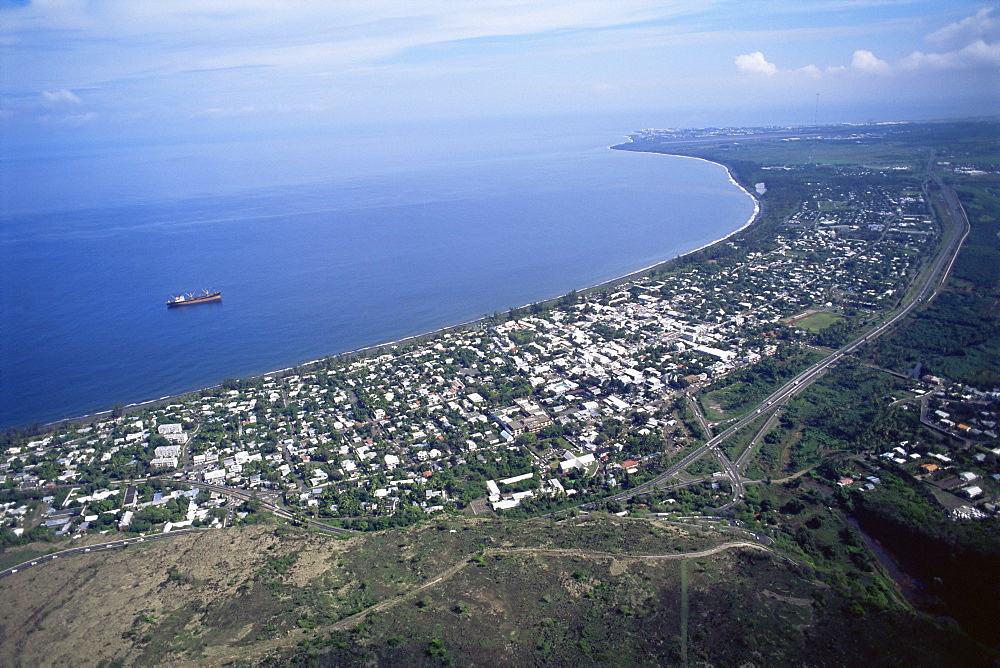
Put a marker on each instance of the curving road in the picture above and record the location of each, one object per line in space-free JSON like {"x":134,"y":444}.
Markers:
{"x":102,"y":547}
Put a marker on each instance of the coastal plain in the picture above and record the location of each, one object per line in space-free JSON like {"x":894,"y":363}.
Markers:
{"x":781,"y":448}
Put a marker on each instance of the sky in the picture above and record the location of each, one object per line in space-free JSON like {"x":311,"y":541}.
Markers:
{"x":97,"y":72}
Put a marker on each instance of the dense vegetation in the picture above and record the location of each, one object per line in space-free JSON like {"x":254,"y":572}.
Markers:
{"x":958,"y":336}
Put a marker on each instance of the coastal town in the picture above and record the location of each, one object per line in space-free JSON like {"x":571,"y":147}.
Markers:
{"x":541,"y":408}
{"x":447,"y":334}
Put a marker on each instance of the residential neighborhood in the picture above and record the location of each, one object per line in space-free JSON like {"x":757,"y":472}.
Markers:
{"x":536,"y":408}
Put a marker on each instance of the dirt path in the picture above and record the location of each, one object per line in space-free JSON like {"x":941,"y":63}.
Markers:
{"x":798,"y":474}
{"x":262,"y":649}
{"x":354,"y":620}
{"x":778,"y":481}
{"x":685,"y":613}
{"x":555,"y":552}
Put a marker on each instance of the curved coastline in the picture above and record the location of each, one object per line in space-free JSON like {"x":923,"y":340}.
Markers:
{"x":388,"y":345}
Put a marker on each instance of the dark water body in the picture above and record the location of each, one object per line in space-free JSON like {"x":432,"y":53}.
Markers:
{"x":388,"y":239}
{"x":910,"y":587}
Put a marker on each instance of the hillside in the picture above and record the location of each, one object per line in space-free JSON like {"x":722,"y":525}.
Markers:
{"x":587,"y":590}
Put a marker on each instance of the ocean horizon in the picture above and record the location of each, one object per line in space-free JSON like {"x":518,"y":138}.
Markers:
{"x":365,"y":240}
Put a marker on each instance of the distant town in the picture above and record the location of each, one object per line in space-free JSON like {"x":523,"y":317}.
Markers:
{"x":533,"y":411}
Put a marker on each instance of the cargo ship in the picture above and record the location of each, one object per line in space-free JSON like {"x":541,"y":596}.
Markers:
{"x":185,"y":300}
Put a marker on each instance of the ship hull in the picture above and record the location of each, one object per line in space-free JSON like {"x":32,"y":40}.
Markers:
{"x":204,"y":299}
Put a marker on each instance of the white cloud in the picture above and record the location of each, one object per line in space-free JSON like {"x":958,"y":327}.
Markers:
{"x":293,"y":108}
{"x":810,"y":70}
{"x":865,"y":61}
{"x":975,"y":55}
{"x":974,"y":43}
{"x":132,"y":43}
{"x":59,"y":98}
{"x":970,"y":44}
{"x":756,"y":64}
{"x":982,"y":26}
{"x":248,"y":59}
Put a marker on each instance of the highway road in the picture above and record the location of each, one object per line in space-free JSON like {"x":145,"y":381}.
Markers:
{"x":102,"y":547}
{"x":741,"y":461}
{"x":696,"y":409}
{"x":736,"y":480}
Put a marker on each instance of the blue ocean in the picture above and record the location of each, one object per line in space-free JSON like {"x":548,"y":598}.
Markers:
{"x":318,"y":246}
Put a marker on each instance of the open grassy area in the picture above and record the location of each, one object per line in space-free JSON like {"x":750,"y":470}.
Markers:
{"x":818,"y":321}
{"x":734,"y":446}
{"x":594,"y":589}
{"x":833,"y":415}
{"x":771,"y":457}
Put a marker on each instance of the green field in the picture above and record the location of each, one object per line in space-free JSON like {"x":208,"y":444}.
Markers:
{"x":817,"y":321}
